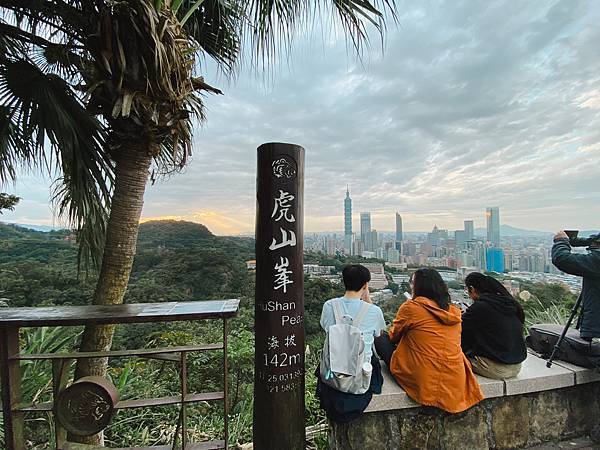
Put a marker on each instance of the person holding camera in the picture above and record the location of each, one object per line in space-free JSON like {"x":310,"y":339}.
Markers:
{"x":583,"y":265}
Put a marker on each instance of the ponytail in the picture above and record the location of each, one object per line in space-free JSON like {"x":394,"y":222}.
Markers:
{"x":485,"y":284}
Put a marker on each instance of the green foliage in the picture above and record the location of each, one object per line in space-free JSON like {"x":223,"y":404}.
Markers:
{"x":316,"y":292}
{"x":390,"y":307}
{"x":554,"y":313}
{"x":338,"y":261}
{"x":8,"y":202}
{"x":549,"y":303}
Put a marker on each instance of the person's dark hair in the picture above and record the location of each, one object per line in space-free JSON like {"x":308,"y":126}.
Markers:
{"x":429,"y":283}
{"x":485,"y":284}
{"x":355,"y":276}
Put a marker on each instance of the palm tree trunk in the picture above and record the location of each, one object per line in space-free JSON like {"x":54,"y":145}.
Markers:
{"x":131,"y":175}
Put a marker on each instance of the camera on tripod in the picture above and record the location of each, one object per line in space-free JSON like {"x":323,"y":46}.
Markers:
{"x":590,"y":241}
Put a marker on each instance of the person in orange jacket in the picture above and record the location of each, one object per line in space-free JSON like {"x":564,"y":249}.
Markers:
{"x":422,"y":348}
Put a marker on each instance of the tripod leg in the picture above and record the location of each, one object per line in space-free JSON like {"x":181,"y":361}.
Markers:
{"x":564,"y":332}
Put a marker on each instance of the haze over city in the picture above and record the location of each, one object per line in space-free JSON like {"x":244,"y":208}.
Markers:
{"x":472,"y":104}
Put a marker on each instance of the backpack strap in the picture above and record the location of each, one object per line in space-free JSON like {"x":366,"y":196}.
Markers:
{"x":362,"y":312}
{"x":337,"y":312}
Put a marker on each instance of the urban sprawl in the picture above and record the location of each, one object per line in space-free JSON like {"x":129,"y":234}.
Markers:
{"x":459,"y":252}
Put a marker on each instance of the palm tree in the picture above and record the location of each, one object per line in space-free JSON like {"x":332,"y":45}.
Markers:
{"x":103,"y":93}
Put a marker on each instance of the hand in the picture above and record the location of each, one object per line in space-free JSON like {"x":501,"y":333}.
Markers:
{"x":561,"y":235}
{"x":365,"y":296}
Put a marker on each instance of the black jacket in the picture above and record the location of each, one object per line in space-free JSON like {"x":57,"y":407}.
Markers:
{"x":586,"y":266}
{"x":493,"y":327}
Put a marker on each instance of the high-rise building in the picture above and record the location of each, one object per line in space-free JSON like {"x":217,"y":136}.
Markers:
{"x":460,"y":238}
{"x":469,"y":230}
{"x":365,"y":229}
{"x":437,"y":236}
{"x":373,"y":240}
{"x":492,"y":216}
{"x":398,"y":229}
{"x":494,"y":259}
{"x":358,"y":247}
{"x":348,"y":222}
{"x":330,"y":245}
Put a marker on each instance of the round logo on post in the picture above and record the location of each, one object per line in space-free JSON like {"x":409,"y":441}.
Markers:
{"x":284,"y":167}
{"x":87,"y":406}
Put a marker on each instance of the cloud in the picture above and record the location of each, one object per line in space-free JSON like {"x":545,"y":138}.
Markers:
{"x":473,"y":104}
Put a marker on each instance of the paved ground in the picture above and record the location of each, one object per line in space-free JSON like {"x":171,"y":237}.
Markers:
{"x":579,"y":444}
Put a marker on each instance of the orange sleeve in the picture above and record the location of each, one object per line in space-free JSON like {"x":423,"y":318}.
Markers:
{"x":402,"y":322}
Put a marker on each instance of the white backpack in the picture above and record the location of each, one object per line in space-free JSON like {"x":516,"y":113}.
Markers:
{"x":343,"y":354}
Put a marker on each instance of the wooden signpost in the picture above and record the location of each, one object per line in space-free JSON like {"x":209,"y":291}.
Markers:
{"x":279,"y":300}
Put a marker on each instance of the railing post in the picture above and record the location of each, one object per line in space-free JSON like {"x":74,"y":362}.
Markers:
{"x":225,"y":387}
{"x":279,"y":300}
{"x":60,"y":377}
{"x":10,"y":374}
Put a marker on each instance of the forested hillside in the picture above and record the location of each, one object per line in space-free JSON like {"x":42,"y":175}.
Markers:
{"x":175,"y":261}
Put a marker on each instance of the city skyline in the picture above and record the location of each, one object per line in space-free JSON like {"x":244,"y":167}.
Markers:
{"x":471,"y":104}
{"x":464,"y":250}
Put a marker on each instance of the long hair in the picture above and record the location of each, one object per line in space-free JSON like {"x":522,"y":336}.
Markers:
{"x":484,"y":284}
{"x":428,"y":283}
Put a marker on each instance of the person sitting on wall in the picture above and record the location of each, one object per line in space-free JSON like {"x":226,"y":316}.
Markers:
{"x":492,"y":329}
{"x":422,"y":348}
{"x":343,"y":406}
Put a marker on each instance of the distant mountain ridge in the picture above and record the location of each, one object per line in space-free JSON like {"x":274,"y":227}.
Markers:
{"x":43,"y":228}
{"x":507,"y":230}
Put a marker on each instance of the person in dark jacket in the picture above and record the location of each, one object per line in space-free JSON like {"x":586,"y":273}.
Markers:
{"x":492,"y":329}
{"x":586,"y":265}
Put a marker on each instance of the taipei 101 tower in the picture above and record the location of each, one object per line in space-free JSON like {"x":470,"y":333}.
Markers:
{"x":348,"y":222}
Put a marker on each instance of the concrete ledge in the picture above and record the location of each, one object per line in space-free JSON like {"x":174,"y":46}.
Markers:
{"x":392,"y":395}
{"x":534,"y":377}
{"x":582,"y":375}
{"x":541,"y":405}
{"x":490,"y":387}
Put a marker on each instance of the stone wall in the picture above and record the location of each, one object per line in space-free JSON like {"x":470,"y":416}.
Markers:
{"x":514,"y":421}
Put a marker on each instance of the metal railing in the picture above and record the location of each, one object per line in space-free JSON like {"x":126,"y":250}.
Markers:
{"x":87,"y":405}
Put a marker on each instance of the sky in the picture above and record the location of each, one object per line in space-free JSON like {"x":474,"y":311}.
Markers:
{"x":467,"y":104}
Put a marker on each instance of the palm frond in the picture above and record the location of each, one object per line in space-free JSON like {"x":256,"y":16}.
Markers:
{"x":221,"y":27}
{"x":215,"y":29}
{"x":55,"y":133}
{"x":271,"y":24}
